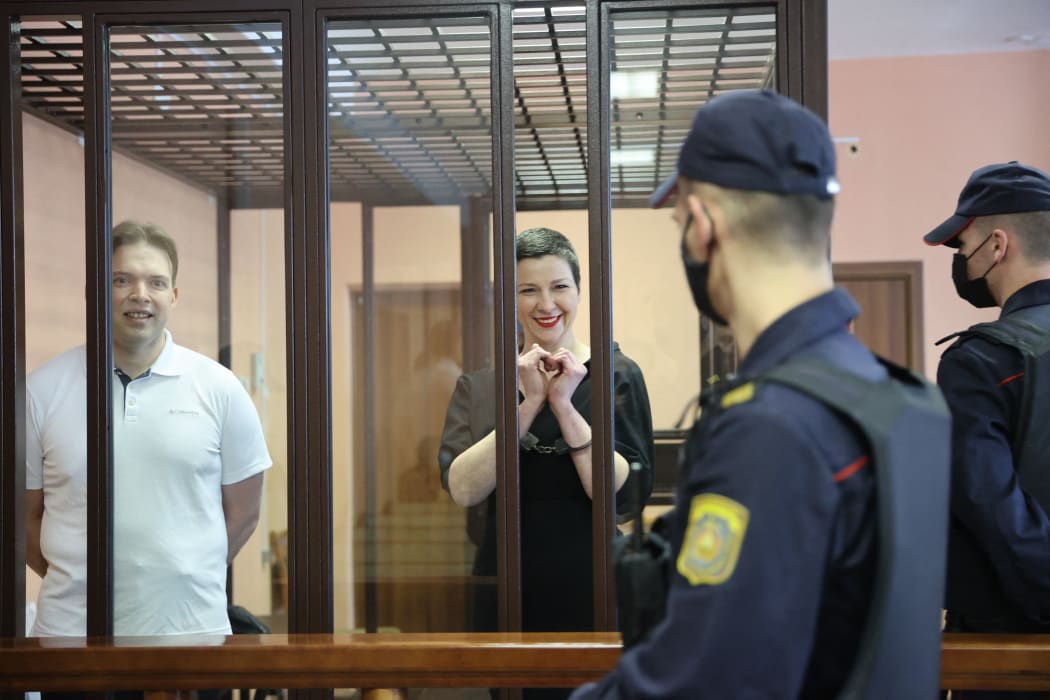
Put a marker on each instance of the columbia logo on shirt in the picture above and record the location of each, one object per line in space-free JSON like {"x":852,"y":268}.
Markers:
{"x":184,"y":412}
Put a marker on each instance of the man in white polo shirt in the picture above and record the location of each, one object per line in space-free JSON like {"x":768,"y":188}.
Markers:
{"x":189,"y":453}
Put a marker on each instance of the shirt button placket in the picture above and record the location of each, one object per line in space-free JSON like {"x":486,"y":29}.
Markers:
{"x":131,"y":414}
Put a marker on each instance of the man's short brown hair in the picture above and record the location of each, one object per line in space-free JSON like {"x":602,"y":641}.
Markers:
{"x":131,"y":231}
{"x":1032,"y":229}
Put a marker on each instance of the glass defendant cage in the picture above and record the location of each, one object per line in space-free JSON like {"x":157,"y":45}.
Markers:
{"x":345,"y":180}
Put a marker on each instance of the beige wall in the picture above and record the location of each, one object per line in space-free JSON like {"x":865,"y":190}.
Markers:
{"x":53,"y":176}
{"x":257,"y":330}
{"x":54,"y":241}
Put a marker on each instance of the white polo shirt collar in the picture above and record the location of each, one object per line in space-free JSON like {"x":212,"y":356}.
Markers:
{"x":169,"y":363}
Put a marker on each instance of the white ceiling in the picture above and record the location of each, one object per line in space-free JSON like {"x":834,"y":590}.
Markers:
{"x":883,"y":28}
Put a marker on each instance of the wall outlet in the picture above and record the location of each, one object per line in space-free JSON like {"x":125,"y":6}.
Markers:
{"x":258,"y":371}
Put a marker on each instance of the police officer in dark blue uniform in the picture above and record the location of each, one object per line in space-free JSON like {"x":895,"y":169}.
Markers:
{"x":999,"y":537}
{"x":773,"y":532}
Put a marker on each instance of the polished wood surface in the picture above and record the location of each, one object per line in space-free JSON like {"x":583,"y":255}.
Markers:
{"x":308,"y":661}
{"x":970,"y":661}
{"x":996,"y":662}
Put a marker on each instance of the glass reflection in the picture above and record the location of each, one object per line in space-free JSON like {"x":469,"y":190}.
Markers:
{"x":664,"y":65}
{"x":410,"y":165}
{"x":551,"y":148}
{"x":53,"y":162}
{"x":194,"y":111}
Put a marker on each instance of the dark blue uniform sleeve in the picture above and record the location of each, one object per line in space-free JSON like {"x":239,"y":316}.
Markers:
{"x":986,"y":497}
{"x":751,"y":635}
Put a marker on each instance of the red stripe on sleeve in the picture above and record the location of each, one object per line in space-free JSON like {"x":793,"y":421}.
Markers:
{"x":1010,"y":379}
{"x":848,"y":471}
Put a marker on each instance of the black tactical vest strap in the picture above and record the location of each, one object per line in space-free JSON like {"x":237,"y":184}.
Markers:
{"x":1031,"y":443}
{"x":907,"y":426}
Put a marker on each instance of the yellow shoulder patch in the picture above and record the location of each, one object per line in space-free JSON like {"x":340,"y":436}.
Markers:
{"x":712,"y":539}
{"x":742,"y":394}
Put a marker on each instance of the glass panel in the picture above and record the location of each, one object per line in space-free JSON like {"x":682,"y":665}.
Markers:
{"x":550,"y":75}
{"x":53,"y":167}
{"x":665,"y":64}
{"x":197,"y":121}
{"x":411,"y":165}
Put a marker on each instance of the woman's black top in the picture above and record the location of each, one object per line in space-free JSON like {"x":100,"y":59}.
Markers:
{"x":557,"y":586}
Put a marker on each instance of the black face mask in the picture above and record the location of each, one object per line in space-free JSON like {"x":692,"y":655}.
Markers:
{"x":696,"y":275}
{"x":976,"y":290}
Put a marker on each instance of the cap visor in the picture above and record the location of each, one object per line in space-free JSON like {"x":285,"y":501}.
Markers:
{"x":662,"y":193}
{"x":948,"y":232}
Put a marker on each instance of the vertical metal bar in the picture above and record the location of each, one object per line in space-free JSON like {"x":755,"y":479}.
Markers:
{"x":97,"y":148}
{"x":600,"y":208}
{"x":787,"y":81}
{"x":368,"y":253}
{"x":12,"y":342}
{"x":314,"y":114}
{"x":307,"y":314}
{"x":814,"y":55}
{"x":295,"y":322}
{"x":506,"y":351}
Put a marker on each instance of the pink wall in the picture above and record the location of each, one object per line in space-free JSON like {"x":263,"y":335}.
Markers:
{"x":924,"y":124}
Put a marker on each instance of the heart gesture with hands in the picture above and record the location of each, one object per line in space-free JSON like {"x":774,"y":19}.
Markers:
{"x":565,"y":374}
{"x":546,"y":377}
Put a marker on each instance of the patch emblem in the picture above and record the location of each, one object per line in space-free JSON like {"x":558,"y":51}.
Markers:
{"x":713,"y":539}
{"x":742,"y":394}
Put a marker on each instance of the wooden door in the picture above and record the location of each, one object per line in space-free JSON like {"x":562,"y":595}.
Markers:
{"x":890,"y":299}
{"x":422,"y":552}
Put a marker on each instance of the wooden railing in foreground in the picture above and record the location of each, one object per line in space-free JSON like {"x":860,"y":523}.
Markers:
{"x":995,"y":662}
{"x":1009,"y":662}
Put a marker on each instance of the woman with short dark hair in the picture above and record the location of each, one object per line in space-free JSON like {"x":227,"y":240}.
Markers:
{"x":554,"y":405}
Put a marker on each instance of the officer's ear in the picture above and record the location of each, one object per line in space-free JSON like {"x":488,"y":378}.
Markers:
{"x":699,"y":234}
{"x":1000,"y":243}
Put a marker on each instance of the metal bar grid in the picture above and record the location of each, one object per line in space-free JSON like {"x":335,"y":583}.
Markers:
{"x":667,"y":63}
{"x":408,"y":106}
{"x":406,"y":97}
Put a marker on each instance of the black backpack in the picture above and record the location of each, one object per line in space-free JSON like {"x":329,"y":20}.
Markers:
{"x":908,"y":428}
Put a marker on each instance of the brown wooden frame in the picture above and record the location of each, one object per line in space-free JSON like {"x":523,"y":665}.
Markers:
{"x":968,"y":662}
{"x":12,"y":348}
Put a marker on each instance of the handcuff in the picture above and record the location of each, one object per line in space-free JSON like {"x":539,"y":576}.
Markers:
{"x":531,"y":443}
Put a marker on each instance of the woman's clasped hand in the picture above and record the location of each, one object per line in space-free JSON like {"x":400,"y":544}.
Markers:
{"x":549,"y":377}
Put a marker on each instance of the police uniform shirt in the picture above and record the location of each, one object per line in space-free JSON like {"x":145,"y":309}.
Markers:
{"x":999,"y":537}
{"x":774,"y":534}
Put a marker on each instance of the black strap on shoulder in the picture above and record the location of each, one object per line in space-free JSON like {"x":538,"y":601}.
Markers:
{"x":906,"y":423}
{"x":1031,"y":445}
